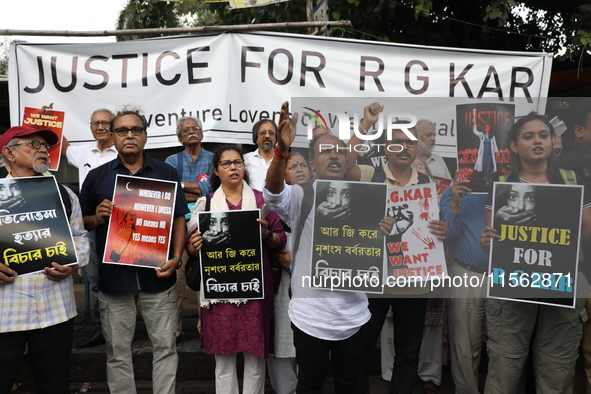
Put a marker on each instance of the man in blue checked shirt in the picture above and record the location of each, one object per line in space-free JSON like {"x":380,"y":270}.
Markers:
{"x":194,"y":165}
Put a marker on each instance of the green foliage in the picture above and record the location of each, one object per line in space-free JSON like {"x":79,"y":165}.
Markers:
{"x":146,"y":14}
{"x":4,"y":57}
{"x":423,"y":8}
{"x":540,"y":25}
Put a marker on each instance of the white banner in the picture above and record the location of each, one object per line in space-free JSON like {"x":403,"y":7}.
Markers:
{"x":231,"y":80}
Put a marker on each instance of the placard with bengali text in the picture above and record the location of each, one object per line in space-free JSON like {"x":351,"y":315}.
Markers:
{"x":347,"y":243}
{"x":231,"y":255}
{"x":35,"y":228}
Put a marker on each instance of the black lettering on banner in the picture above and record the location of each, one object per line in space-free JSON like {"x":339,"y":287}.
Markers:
{"x":461,"y":78}
{"x":425,"y":79}
{"x":270,"y":71}
{"x":496,"y":89}
{"x":41,"y":78}
{"x":315,"y":70}
{"x":124,"y":59}
{"x":244,"y":63}
{"x":159,"y":77}
{"x":191,"y":65}
{"x":373,"y":74}
{"x":522,"y":85}
{"x":90,"y":70}
{"x":159,"y":120}
{"x":216,"y":114}
{"x":72,"y":85}
{"x":145,"y":69}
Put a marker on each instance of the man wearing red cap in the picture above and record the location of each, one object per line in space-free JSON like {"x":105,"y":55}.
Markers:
{"x":38,"y":309}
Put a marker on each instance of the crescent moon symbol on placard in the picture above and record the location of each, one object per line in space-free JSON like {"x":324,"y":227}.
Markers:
{"x":127,"y":186}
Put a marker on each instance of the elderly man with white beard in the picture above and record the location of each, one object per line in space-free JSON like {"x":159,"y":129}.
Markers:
{"x":38,"y":310}
{"x":194,"y":165}
{"x":426,"y":159}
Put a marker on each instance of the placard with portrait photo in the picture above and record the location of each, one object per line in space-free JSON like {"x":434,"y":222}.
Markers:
{"x":536,"y":257}
{"x":36,"y":229}
{"x":347,"y":243}
{"x":231,"y":255}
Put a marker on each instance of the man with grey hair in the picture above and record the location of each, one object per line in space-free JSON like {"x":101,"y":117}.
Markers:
{"x":85,"y":157}
{"x":38,"y":310}
{"x":257,"y":163}
{"x":125,"y":288}
{"x":194,"y":165}
{"x":426,"y":159}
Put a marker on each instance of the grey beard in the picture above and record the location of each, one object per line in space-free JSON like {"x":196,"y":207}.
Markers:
{"x":423,"y":149}
{"x":266,"y":147}
{"x":40,"y":168}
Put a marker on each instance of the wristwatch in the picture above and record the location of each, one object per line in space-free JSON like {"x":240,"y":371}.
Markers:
{"x":179,"y":260}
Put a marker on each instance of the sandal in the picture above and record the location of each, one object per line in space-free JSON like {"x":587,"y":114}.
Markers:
{"x":429,"y":387}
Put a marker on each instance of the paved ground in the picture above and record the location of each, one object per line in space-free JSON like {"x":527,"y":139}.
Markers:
{"x":195,"y":373}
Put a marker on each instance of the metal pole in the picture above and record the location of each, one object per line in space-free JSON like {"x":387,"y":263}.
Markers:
{"x":174,"y":30}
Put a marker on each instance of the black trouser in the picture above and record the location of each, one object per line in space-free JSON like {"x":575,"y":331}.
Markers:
{"x":312,"y":356}
{"x":50,"y":349}
{"x":409,"y":320}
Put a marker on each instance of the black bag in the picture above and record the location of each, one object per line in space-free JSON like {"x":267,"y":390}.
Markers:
{"x":193,"y":273}
{"x":193,"y":266}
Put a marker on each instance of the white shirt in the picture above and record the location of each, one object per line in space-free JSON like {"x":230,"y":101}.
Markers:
{"x":257,"y":168}
{"x":323,"y":314}
{"x":437,"y":167}
{"x":86,"y":157}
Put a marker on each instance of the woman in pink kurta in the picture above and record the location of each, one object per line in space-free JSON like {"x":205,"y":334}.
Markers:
{"x":230,"y":327}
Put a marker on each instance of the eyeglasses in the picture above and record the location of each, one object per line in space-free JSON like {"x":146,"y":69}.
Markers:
{"x":225,"y":164}
{"x":95,"y":125}
{"x":262,"y":133}
{"x":123,"y":131}
{"x":35,"y":144}
{"x":400,"y":141}
{"x":187,"y":130}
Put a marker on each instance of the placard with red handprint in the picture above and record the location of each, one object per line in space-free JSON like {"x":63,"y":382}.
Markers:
{"x":412,"y":251}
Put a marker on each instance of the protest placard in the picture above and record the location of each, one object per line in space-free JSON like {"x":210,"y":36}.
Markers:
{"x":36,"y":229}
{"x":414,"y":254}
{"x":231,"y":255}
{"x":536,"y":257}
{"x":483,"y":143}
{"x":347,"y":244}
{"x":47,"y":119}
{"x":140,"y":225}
{"x":441,"y":184}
